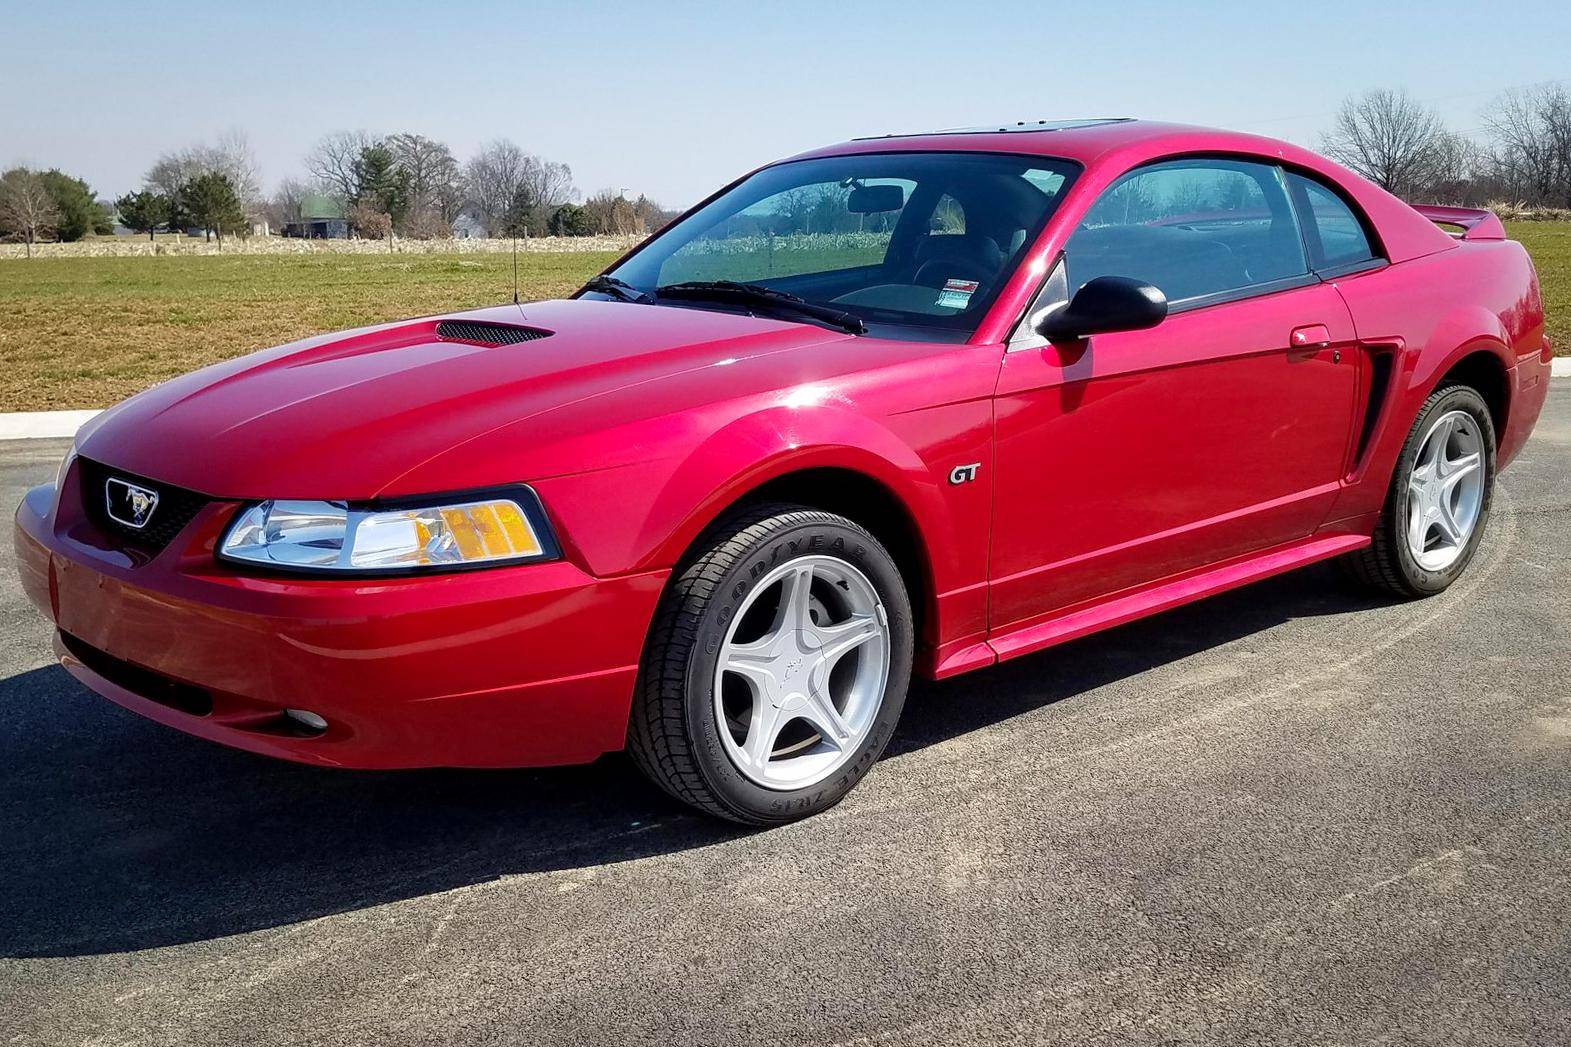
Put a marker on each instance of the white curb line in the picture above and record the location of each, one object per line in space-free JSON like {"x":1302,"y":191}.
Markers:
{"x":36,"y":425}
{"x":33,"y":425}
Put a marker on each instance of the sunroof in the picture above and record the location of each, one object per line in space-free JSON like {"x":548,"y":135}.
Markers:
{"x":1018,"y":126}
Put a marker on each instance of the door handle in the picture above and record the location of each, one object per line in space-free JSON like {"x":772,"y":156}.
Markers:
{"x":1310,"y":336}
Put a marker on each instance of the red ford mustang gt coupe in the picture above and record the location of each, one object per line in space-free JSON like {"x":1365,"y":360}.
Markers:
{"x":904,"y":406}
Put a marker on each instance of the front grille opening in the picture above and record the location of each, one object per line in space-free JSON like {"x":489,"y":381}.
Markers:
{"x":176,"y":507}
{"x":144,"y":683}
{"x":487,"y":333}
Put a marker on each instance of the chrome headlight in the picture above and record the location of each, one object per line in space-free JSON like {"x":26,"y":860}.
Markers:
{"x":454,"y":532}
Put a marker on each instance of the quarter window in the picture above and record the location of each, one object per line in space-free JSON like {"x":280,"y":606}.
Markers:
{"x":1336,"y":236}
{"x":948,"y":217}
{"x":1192,"y":228}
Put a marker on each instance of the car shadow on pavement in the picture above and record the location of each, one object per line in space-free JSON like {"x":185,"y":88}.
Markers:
{"x":118,"y":834}
{"x":938,"y":712}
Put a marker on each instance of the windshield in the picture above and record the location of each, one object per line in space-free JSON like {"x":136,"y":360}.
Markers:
{"x":922,"y":239}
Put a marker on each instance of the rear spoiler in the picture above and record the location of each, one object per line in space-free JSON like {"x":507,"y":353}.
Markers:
{"x":1476,"y":223}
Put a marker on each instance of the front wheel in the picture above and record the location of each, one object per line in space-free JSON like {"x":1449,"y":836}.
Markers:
{"x":776,"y":668}
{"x":1438,"y":503}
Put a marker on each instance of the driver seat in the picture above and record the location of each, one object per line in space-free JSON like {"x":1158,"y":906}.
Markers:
{"x":965,"y":256}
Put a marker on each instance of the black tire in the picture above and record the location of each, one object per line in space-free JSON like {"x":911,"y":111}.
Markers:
{"x":1387,"y":564}
{"x":673,"y":733}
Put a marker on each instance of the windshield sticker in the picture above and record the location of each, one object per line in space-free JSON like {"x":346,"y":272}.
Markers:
{"x":956,"y":294}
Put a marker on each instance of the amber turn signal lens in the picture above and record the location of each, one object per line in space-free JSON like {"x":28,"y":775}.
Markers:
{"x":473,"y":532}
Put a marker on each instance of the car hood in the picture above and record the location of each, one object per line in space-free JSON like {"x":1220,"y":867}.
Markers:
{"x":342,"y":416}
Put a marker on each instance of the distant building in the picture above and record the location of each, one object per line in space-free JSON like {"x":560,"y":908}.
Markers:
{"x":320,"y":219}
{"x":468,"y":226}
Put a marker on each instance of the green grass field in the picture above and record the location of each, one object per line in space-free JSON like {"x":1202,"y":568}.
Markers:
{"x":85,"y":332}
{"x":1550,"y":245}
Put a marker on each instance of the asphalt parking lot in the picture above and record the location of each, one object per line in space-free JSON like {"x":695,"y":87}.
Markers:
{"x":1290,"y":814}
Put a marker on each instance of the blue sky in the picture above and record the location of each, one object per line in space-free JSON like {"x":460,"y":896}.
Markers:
{"x":674,"y":98}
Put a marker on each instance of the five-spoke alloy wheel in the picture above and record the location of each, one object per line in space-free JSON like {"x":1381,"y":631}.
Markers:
{"x":1438,"y":502}
{"x":1446,"y":490}
{"x":776,"y":668}
{"x":802,"y":672}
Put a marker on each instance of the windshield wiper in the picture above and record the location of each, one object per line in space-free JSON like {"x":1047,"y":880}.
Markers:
{"x":759,"y":296}
{"x":621,"y":290}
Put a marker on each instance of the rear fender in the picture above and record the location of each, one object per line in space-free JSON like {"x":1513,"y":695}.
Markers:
{"x":1464,"y":331}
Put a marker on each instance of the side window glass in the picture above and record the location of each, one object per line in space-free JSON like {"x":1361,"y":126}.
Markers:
{"x":948,"y":217}
{"x":1339,"y":237}
{"x":1192,"y":228}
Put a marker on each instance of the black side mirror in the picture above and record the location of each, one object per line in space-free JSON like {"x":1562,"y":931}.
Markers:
{"x":1103,"y":305}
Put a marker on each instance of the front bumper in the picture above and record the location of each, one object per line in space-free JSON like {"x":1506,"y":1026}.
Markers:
{"x":509,"y":667}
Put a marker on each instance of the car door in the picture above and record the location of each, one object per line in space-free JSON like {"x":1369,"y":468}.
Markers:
{"x":1139,"y":455}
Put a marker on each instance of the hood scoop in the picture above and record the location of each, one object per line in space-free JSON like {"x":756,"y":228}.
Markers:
{"x":479,"y":332}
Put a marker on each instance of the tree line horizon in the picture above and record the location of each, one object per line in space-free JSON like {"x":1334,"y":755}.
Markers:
{"x":412,"y":186}
{"x":403,"y":184}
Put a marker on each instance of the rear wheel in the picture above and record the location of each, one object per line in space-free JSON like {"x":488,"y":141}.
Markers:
{"x":1438,"y":504}
{"x":776,"y":668}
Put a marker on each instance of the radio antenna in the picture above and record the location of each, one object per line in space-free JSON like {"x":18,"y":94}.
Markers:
{"x":515,"y":268}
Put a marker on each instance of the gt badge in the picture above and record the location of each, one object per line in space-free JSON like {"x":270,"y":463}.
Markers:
{"x":964,"y":474}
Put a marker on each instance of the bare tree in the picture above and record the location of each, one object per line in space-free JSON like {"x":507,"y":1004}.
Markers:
{"x":332,"y":162}
{"x":288,"y":203}
{"x":793,"y":211}
{"x":649,"y":215}
{"x":1531,"y":129}
{"x":509,"y":187}
{"x":494,"y":175}
{"x":1388,"y":137}
{"x":230,"y":156}
{"x":372,"y":222}
{"x":168,"y":175}
{"x":27,"y":210}
{"x":613,"y":214}
{"x":549,"y":185}
{"x":435,"y":182}
{"x":426,"y":223}
{"x":1453,"y":171}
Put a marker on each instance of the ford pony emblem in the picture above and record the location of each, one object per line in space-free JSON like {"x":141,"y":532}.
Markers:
{"x":129,"y":504}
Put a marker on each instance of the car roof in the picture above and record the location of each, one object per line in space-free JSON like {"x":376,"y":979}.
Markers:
{"x":1084,"y":140}
{"x":1015,"y":127}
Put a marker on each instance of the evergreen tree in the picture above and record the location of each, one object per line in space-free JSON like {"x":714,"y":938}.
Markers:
{"x":144,"y":211}
{"x":80,"y":213}
{"x":571,"y":220}
{"x":520,"y":209}
{"x":381,"y":184}
{"x":212,"y":203}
